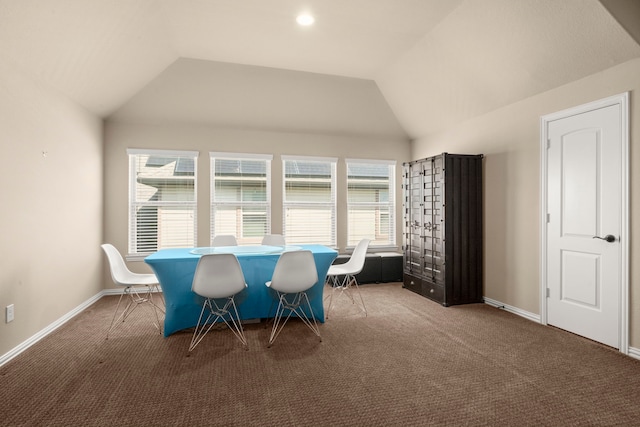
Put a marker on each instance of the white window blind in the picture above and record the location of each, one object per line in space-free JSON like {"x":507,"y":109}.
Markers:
{"x":371,"y":201}
{"x":309,"y":200}
{"x":162,"y":200}
{"x":241,"y":196}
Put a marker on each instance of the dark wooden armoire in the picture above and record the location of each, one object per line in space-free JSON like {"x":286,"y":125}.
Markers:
{"x":442,"y":245}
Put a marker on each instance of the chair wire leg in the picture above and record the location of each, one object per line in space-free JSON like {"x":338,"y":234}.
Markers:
{"x":328,"y":282}
{"x":135,"y":298}
{"x":278,"y":323}
{"x":303,"y":316}
{"x":236,"y":324}
{"x":293,"y":307}
{"x":147,"y":298}
{"x":155,"y":290}
{"x":351,"y":284}
{"x":132,"y":304}
{"x":334,"y":284}
{"x":345,"y":286}
{"x":275,"y":330}
{"x":200,"y":332}
{"x":155,"y":309}
{"x":355,"y":283}
{"x":216,"y":312}
{"x":115,"y":313}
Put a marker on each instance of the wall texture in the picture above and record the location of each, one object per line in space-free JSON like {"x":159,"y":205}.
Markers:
{"x":510,"y":139}
{"x":51,"y":216}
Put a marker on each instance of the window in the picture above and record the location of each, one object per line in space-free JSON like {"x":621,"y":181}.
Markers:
{"x":370,"y":201}
{"x":162,"y":200}
{"x":309,"y":200}
{"x":241,"y":196}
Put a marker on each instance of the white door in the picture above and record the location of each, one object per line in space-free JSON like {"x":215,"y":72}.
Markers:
{"x":585,"y":198}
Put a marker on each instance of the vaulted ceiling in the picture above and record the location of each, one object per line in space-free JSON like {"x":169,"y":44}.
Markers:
{"x":421,"y":64}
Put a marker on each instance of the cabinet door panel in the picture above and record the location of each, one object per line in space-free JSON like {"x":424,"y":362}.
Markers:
{"x":413,"y":221}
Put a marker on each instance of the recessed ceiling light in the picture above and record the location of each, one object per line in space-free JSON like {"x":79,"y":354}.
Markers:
{"x":305,"y":19}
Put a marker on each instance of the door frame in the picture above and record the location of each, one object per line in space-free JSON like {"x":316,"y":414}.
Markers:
{"x":621,"y":100}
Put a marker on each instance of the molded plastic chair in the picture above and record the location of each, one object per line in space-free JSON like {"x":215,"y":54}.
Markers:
{"x":273,"y":240}
{"x":132,"y":282}
{"x":343,"y":276}
{"x":224,"y":240}
{"x":218,"y":278}
{"x":295,"y":273}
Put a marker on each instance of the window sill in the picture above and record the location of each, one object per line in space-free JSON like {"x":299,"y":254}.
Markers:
{"x":374,"y":249}
{"x":136,"y":257}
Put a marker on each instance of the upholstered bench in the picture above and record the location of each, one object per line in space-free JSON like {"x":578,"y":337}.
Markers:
{"x":378,"y":267}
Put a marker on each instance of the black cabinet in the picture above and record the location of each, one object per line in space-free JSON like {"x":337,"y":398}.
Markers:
{"x":442,"y":241}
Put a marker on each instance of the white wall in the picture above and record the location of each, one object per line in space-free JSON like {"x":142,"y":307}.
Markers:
{"x":120,"y":136}
{"x":510,"y":138}
{"x":51,"y":215}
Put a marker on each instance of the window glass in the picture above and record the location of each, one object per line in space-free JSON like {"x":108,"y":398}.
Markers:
{"x":370,"y":202}
{"x":241,"y":196}
{"x":162,"y":200}
{"x":309,"y":200}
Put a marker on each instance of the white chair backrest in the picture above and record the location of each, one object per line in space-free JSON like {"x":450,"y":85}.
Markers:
{"x":356,"y":262}
{"x":224,"y":240}
{"x":120,"y":274}
{"x":295,"y":272}
{"x":273,"y":240}
{"x":218,"y":276}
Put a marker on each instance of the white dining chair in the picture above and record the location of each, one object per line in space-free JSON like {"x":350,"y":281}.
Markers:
{"x":273,"y":240}
{"x":342,"y":277}
{"x":218,"y":279}
{"x":224,"y":240}
{"x":295,"y":273}
{"x":132,"y":283}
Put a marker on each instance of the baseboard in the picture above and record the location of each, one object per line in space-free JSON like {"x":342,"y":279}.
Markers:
{"x":511,"y":309}
{"x":46,"y":331}
{"x":634,"y":352}
{"x":61,"y":321}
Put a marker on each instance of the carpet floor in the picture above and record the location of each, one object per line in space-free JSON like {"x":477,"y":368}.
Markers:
{"x":410,"y":362}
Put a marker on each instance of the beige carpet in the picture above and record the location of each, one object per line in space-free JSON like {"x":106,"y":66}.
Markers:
{"x":411,"y":362}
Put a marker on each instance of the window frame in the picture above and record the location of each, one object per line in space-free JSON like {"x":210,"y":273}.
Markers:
{"x":331,"y":204}
{"x":213,"y":155}
{"x":133,"y":252}
{"x":379,"y":206}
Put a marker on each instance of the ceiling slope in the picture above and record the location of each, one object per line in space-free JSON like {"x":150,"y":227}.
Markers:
{"x":491,"y":53}
{"x":627,"y":13}
{"x":97,"y":53}
{"x":436,"y":62}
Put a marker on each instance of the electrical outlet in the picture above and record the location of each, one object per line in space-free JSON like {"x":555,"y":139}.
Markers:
{"x":9,"y":313}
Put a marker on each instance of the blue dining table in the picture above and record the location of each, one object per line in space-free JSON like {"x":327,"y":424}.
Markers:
{"x":175,"y":268}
